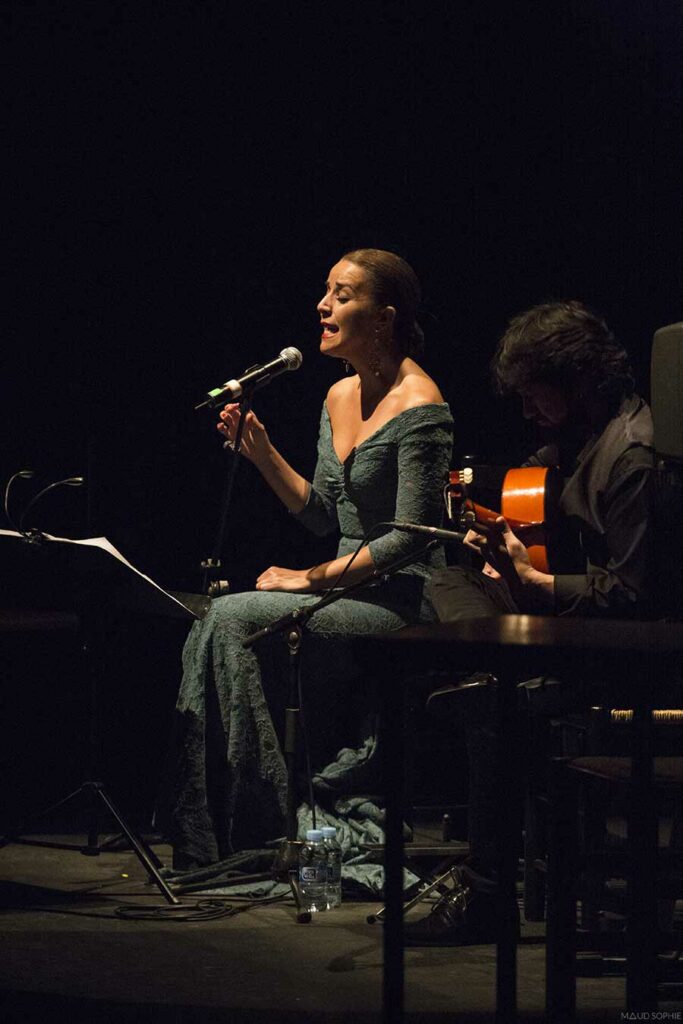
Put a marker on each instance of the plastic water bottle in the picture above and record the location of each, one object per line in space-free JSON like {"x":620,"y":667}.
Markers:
{"x":334,"y":858}
{"x":313,"y":872}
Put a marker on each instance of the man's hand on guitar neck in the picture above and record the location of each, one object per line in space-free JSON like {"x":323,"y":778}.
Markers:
{"x":505,"y":556}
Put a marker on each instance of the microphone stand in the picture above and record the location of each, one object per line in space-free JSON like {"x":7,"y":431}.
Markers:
{"x":286,"y":859}
{"x":211,"y":584}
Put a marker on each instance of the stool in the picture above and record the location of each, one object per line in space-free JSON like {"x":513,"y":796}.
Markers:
{"x":577,"y":869}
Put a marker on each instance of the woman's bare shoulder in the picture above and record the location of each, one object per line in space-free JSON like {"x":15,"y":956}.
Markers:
{"x":418,"y":388}
{"x":341,"y":391}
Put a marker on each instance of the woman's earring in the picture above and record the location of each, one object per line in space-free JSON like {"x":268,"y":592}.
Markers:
{"x":347,"y":367}
{"x":375,"y":361}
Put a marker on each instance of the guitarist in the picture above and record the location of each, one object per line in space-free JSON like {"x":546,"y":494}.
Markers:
{"x":576,"y":383}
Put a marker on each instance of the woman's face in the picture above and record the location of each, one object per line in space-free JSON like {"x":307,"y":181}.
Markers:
{"x":349,"y":315}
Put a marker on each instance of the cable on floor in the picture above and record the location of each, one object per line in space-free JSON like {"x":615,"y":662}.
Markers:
{"x":207,"y":909}
{"x":202,"y":910}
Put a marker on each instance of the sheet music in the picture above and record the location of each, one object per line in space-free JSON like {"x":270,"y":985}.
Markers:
{"x":103,"y":544}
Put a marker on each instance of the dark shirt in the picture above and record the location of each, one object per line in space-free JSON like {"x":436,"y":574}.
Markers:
{"x":605,"y":506}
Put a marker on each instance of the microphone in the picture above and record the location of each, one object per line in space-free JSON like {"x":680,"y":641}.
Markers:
{"x":445,"y":536}
{"x":253,"y":378}
{"x":71,"y":481}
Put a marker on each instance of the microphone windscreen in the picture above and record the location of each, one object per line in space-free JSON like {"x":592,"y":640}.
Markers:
{"x":292,"y":357}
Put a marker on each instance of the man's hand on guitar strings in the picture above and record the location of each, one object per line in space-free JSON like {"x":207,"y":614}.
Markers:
{"x":490,"y":542}
{"x":503,"y":552}
{"x":505,"y":556}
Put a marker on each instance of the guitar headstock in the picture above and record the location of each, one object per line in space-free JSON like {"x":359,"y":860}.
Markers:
{"x":462,"y":476}
{"x":519,"y":493}
{"x":456,"y":497}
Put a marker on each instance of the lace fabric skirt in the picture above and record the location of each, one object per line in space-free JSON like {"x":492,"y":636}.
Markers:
{"x":226,"y":789}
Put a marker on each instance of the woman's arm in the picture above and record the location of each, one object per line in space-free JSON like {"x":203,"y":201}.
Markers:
{"x":291,"y":488}
{"x":423,"y":459}
{"x":320,"y":577}
{"x":422,"y":463}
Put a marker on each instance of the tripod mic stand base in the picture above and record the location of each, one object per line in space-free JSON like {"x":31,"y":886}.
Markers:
{"x":283,"y":867}
{"x":96,"y":792}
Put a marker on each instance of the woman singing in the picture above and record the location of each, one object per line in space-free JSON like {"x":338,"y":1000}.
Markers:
{"x":383,"y":454}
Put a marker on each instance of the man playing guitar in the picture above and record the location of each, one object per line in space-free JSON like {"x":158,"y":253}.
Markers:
{"x":576,"y":383}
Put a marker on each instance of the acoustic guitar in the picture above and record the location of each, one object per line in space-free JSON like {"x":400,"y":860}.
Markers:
{"x":528,"y":501}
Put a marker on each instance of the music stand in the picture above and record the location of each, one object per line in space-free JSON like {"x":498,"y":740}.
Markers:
{"x":88,"y":578}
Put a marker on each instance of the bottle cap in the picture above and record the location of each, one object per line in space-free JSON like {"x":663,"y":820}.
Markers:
{"x":313,"y":835}
{"x":328,"y":831}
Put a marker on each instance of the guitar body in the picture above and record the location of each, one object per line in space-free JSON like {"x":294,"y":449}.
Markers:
{"x":528,"y":501}
{"x":524,"y":499}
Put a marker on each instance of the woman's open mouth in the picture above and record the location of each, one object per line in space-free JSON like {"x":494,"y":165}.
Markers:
{"x":328,"y":330}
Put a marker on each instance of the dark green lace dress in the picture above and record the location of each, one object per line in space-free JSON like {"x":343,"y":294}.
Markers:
{"x":228,"y":784}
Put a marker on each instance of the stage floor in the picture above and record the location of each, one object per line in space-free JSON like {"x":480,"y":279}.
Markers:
{"x":63,"y":951}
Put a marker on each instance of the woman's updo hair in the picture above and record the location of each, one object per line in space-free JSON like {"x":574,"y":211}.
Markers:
{"x":394,"y":283}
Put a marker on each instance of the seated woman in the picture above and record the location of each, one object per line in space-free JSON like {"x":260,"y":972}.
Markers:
{"x":383,"y":454}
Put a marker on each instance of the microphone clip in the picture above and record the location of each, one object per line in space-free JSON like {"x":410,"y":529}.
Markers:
{"x":219,"y":396}
{"x":33,"y":537}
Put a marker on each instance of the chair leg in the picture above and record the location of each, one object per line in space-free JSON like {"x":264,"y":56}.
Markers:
{"x":534,"y":851}
{"x":561,"y":896}
{"x":438,"y":884}
{"x":594,"y":834}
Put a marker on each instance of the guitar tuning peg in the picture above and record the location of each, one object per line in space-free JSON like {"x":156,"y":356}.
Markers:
{"x":467,"y":472}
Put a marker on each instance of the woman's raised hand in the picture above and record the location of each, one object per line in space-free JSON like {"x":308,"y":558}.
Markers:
{"x":255,"y":442}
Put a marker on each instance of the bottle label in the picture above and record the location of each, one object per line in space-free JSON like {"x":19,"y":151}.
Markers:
{"x":313,"y":873}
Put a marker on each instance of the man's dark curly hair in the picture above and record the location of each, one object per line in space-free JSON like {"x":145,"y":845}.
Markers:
{"x":566,"y":345}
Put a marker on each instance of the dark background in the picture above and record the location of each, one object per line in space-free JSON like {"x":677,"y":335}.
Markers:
{"x":179,"y":178}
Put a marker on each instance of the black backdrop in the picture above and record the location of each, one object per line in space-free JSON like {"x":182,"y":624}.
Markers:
{"x":181,"y":175}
